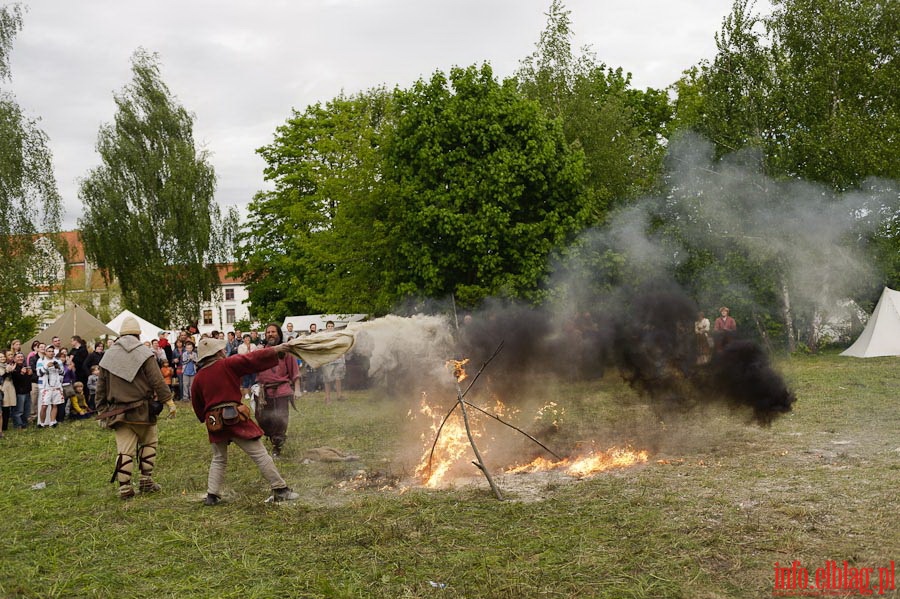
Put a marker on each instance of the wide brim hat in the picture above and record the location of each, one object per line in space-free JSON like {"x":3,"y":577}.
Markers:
{"x":130,"y":326}
{"x":209,"y":346}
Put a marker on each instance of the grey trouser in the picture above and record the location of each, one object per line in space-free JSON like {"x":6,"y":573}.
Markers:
{"x":257,"y":452}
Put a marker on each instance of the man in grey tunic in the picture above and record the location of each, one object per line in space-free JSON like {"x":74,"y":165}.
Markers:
{"x":129,"y":383}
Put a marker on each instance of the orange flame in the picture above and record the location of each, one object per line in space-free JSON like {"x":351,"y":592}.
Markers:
{"x":587,"y":465}
{"x":452,"y":453}
{"x":451,"y":448}
{"x":458,"y":367}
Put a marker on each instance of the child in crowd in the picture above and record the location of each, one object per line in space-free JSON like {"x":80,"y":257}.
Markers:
{"x":92,"y":386}
{"x":189,"y":363}
{"x":167,"y":372}
{"x":79,"y":407}
{"x":50,"y":373}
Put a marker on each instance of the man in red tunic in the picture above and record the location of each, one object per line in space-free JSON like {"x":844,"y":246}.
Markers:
{"x":725,"y":328}
{"x":217,"y":387}
{"x":280,"y":386}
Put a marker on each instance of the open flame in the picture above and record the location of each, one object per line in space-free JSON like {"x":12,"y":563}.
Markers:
{"x":452,"y":455}
{"x":459,"y":369}
{"x":452,"y":445}
{"x":586,"y":465}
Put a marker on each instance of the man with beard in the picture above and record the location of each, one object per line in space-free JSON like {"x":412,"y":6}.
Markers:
{"x":279,"y":387}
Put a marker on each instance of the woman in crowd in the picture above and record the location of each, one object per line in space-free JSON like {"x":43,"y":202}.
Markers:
{"x":21,"y":378}
{"x":8,"y":392}
{"x":175,"y":363}
{"x":248,"y":379}
{"x":160,"y":352}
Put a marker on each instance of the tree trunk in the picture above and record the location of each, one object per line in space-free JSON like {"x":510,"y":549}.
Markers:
{"x":815,"y":330}
{"x":787,"y":316}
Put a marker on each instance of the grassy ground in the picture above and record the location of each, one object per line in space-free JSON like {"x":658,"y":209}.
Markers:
{"x":716,"y":506}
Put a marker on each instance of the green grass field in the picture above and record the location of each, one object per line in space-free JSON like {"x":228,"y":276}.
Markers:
{"x":718,"y":503}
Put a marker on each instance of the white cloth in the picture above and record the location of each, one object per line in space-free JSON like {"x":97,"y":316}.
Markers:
{"x":321,"y":348}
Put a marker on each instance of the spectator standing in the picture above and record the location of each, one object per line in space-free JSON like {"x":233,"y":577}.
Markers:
{"x":92,"y":386}
{"x":249,"y":379}
{"x":175,"y":363}
{"x":333,"y":373}
{"x":725,"y":327}
{"x":255,"y":339}
{"x":231,"y":344}
{"x":163,"y":341}
{"x":7,"y":392}
{"x":158,"y":352}
{"x":93,"y":358}
{"x":702,"y":338}
{"x":37,"y":353}
{"x":92,"y":361}
{"x":189,"y":369}
{"x":79,"y":355}
{"x":50,"y":373}
{"x":21,"y":378}
{"x":725,"y":322}
{"x":167,"y":372}
{"x":311,"y":376}
{"x":69,"y":380}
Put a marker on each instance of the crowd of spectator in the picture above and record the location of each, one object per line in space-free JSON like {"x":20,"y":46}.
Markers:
{"x":50,"y":383}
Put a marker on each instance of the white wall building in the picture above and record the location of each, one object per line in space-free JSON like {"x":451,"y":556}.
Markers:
{"x":227,"y":306}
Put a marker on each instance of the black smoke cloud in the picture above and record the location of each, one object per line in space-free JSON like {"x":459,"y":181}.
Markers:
{"x":651,"y":344}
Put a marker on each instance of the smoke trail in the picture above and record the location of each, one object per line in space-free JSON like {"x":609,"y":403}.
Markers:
{"x":626,"y":295}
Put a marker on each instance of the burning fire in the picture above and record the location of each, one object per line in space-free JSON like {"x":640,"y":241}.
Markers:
{"x":588,"y":465}
{"x":459,"y":369}
{"x":452,"y":445}
{"x":453,"y":452}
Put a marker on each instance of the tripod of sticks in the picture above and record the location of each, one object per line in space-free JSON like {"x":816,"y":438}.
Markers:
{"x":462,"y":403}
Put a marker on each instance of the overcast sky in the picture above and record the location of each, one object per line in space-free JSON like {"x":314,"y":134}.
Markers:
{"x":241,"y":66}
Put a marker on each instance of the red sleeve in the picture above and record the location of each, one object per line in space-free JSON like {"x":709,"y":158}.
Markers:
{"x":291,"y":368}
{"x":255,"y":361}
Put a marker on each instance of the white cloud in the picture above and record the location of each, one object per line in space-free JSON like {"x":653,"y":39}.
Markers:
{"x":241,"y":67}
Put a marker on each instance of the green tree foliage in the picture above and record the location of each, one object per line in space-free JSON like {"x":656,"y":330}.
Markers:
{"x":815,"y":85}
{"x":456,"y":186}
{"x":838,"y":90}
{"x":150,"y":219}
{"x":317,"y":242}
{"x":619,"y":128}
{"x":813,"y":90}
{"x":486,"y":189}
{"x":726,"y":101}
{"x":29,"y":200}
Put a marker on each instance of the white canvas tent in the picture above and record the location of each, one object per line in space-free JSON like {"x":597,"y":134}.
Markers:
{"x":881,"y":336}
{"x":149,"y":331}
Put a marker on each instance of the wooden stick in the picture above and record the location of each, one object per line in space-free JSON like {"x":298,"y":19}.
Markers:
{"x":512,"y":426}
{"x":437,"y":435}
{"x":480,"y":461}
{"x":480,"y":370}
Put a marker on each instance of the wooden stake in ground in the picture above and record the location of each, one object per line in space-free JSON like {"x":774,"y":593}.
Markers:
{"x":479,"y":463}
